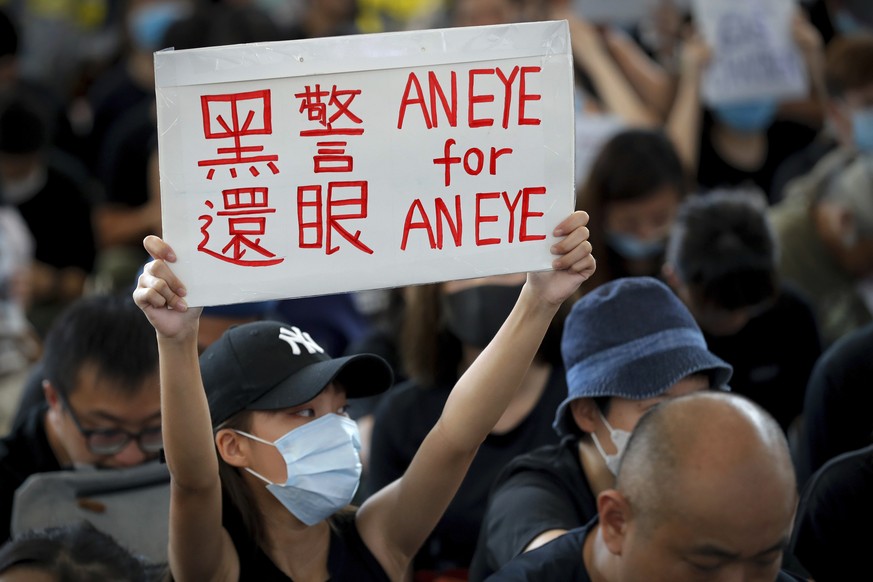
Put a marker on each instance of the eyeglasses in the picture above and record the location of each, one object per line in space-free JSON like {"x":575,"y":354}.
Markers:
{"x":110,"y":441}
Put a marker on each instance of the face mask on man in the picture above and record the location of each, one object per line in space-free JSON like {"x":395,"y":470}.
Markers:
{"x":862,"y":129}
{"x":149,"y":22}
{"x":619,"y":441}
{"x":323,"y":464}
{"x":474,"y":315}
{"x":23,"y":189}
{"x":633,"y":248}
{"x":749,"y":116}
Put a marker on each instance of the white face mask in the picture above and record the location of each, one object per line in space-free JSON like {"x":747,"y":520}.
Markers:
{"x":323,"y":462}
{"x":19,"y":191}
{"x":619,"y":441}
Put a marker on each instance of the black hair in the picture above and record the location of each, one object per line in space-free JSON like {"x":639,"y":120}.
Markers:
{"x":722,"y":246}
{"x":8,"y":35}
{"x":633,"y":165}
{"x":105,"y":330}
{"x":24,"y":128}
{"x":77,"y":553}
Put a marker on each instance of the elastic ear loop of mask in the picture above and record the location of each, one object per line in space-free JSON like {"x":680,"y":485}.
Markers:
{"x":260,"y":440}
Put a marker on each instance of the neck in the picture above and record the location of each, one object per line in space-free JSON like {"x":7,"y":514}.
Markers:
{"x":598,"y":560}
{"x":298,"y":550}
{"x":744,"y":150}
{"x":598,"y":474}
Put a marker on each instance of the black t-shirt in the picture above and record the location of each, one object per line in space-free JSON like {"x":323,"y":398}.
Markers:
{"x":773,"y":356}
{"x":23,"y":452}
{"x":402,"y":421}
{"x":561,"y":561}
{"x":784,"y":139}
{"x":349,"y":559}
{"x":59,"y":217}
{"x":837,"y":417}
{"x":542,"y":490}
{"x":832,"y":537}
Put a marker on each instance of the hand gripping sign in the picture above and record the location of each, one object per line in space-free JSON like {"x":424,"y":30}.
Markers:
{"x":329,"y":165}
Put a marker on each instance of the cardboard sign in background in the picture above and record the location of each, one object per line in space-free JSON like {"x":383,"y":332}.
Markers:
{"x":754,"y":55}
{"x":330,"y":165}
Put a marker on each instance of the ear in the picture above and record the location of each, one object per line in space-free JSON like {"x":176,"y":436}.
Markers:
{"x":51,"y":394}
{"x":584,"y":412}
{"x":232,"y":448}
{"x":848,"y":227}
{"x":614,"y":512}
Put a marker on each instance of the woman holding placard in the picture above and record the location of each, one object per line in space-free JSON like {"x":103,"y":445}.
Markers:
{"x":268,"y":388}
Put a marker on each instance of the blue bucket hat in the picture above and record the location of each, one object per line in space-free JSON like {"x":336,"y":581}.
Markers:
{"x":632,"y":338}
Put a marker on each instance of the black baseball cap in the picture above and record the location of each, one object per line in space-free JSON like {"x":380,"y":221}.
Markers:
{"x":269,"y":365}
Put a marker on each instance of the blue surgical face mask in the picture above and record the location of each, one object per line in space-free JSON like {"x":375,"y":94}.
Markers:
{"x":845,"y":23}
{"x":862,"y":129}
{"x":749,"y":116}
{"x":149,"y":22}
{"x":633,"y":248}
{"x":619,"y":441}
{"x":323,"y":462}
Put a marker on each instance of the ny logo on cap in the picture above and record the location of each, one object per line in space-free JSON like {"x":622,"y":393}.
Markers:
{"x":296,"y":338}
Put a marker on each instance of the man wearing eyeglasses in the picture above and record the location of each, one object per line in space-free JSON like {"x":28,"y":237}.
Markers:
{"x":102,"y":398}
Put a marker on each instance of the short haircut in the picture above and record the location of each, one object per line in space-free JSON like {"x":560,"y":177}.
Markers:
{"x":107,"y":331}
{"x":723,"y":247}
{"x":8,"y":35}
{"x":849,"y":64}
{"x":76,"y":553}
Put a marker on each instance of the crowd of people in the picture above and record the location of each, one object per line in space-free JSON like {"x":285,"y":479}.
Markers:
{"x":683,"y":397}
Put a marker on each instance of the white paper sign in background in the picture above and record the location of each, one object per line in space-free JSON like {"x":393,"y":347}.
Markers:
{"x":753,"y":53}
{"x":330,"y":165}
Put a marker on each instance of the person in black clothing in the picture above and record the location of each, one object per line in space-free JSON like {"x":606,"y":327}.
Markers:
{"x":849,"y":84}
{"x":627,"y":346}
{"x":54,"y":200}
{"x":838,"y":403}
{"x":635,"y":186}
{"x":469,"y":313}
{"x":705,"y":491}
{"x":827,"y":540}
{"x":102,"y":401}
{"x":265,"y":404}
{"x":721,"y":261}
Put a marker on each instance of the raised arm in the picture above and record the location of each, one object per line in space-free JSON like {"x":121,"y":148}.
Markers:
{"x":395,"y":521}
{"x":199,"y":547}
{"x":685,"y":119}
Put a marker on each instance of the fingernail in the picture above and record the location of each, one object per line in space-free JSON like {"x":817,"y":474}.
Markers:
{"x":559,"y":232}
{"x":171,"y":256}
{"x":555,"y":250}
{"x":181,"y":305}
{"x":182,"y":292}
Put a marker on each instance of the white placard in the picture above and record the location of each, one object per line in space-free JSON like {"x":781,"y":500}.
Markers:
{"x":753,"y":53}
{"x":621,"y":12}
{"x":342,"y":164}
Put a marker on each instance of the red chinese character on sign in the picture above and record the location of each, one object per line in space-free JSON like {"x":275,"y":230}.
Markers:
{"x":233,"y":117}
{"x":345,"y":201}
{"x":331,"y":157}
{"x":327,"y":107}
{"x":246,"y":210}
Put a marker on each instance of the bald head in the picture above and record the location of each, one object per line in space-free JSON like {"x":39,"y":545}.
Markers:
{"x":711,"y":449}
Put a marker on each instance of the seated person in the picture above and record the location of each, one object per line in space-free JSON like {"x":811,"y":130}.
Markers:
{"x":627,"y":345}
{"x":446,"y":328}
{"x":825,"y":231}
{"x":265,"y":461}
{"x":827,"y":540}
{"x":72,"y":553}
{"x":721,"y":261}
{"x":838,"y":402}
{"x":705,"y":491}
{"x":102,"y":399}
